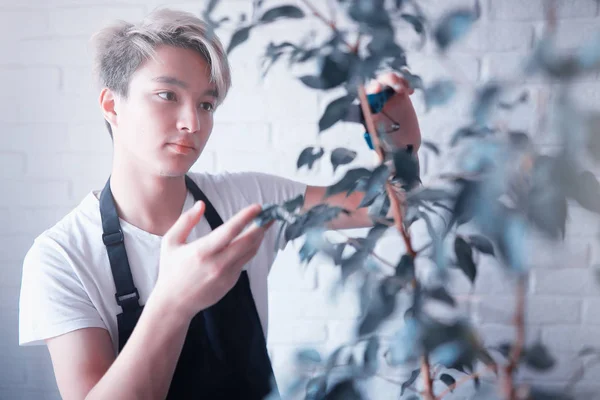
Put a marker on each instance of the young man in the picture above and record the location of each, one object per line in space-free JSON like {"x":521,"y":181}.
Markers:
{"x":159,"y":239}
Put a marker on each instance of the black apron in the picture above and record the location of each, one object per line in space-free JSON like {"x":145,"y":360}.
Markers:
{"x":225,"y":354}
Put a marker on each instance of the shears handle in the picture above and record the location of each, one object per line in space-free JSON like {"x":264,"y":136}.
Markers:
{"x":376,"y":103}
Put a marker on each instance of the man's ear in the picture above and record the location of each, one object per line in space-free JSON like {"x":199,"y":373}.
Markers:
{"x":108,"y":106}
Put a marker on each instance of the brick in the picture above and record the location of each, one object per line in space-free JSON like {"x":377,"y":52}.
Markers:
{"x":88,"y":137}
{"x":8,"y":294}
{"x":18,"y":24}
{"x":497,"y":36}
{"x":13,"y":371}
{"x":241,"y":107}
{"x":278,"y":163}
{"x":40,"y":374}
{"x":494,"y":334}
{"x":573,"y":34}
{"x":80,"y":81}
{"x":14,"y":247}
{"x":591,"y":311}
{"x":240,"y":136}
{"x":562,"y":370}
{"x":298,"y":332}
{"x":287,"y":274}
{"x":534,"y":9}
{"x":62,"y":108}
{"x":87,"y":20}
{"x":35,"y":193}
{"x":11,"y":273}
{"x":24,"y":394}
{"x":540,"y":310}
{"x":315,"y":305}
{"x":67,"y":51}
{"x":571,"y":281}
{"x":457,"y":66}
{"x":33,"y":220}
{"x":34,"y":136}
{"x":12,"y":165}
{"x":9,"y":332}
{"x":570,"y":338}
{"x":555,"y":309}
{"x":27,"y":82}
{"x":68,"y":165}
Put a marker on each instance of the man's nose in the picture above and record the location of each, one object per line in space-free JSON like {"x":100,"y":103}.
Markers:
{"x":189,"y":119}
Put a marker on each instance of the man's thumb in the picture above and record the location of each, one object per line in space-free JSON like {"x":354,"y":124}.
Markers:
{"x":181,"y":229}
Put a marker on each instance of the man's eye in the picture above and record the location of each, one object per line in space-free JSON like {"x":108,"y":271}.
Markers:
{"x":170,"y":96}
{"x":207,"y":106}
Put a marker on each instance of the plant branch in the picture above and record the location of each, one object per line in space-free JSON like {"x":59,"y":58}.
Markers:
{"x":517,"y":348}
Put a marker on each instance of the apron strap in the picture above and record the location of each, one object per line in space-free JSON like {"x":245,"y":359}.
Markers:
{"x":127,"y":295}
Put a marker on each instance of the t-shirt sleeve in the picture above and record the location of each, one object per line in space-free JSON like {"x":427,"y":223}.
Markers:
{"x":53,"y":300}
{"x":266,"y":189}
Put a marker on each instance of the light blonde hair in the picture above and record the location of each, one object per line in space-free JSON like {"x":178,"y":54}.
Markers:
{"x":119,"y":49}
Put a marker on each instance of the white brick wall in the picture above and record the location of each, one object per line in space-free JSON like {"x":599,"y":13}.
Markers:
{"x":54,"y":149}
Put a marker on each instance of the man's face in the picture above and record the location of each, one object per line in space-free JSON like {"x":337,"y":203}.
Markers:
{"x":167,"y":117}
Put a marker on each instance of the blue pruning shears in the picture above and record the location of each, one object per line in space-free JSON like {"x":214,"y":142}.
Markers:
{"x":376,"y":103}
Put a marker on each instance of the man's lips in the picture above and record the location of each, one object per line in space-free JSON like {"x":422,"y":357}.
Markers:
{"x":184,"y":144}
{"x":182,"y":147}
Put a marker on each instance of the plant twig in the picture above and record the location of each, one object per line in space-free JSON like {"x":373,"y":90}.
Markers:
{"x":426,"y":374}
{"x":516,"y":350}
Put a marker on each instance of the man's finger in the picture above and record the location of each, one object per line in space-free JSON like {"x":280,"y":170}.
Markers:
{"x":181,"y":229}
{"x":225,"y":233}
{"x":242,"y":249}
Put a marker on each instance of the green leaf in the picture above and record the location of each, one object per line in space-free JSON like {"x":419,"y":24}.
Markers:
{"x":448,"y":380}
{"x":344,"y":390}
{"x":308,"y":157}
{"x":316,"y":388}
{"x":410,"y":381}
{"x":441,"y":294}
{"x":335,"y":111}
{"x":342,"y":156}
{"x":433,"y":147}
{"x":415,"y":21}
{"x":381,"y":306}
{"x":347,"y":183}
{"x":286,"y":11}
{"x":375,"y":184}
{"x":453,"y":26}
{"x":406,"y":167}
{"x":588,"y":350}
{"x":239,"y":37}
{"x":464,"y":256}
{"x":481,"y":243}
{"x":538,"y":357}
{"x":370,"y":356}
{"x":586,"y":191}
{"x":309,"y":356}
{"x":439,"y":93}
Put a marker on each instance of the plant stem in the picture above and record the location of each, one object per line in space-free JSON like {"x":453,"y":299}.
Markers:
{"x":317,"y":14}
{"x":394,"y":201}
{"x":515,"y":355}
{"x":426,"y":374}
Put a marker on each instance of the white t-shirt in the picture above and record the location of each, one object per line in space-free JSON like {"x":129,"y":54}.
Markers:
{"x":67,"y":282}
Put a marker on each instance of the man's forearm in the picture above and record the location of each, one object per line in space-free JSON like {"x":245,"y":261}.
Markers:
{"x":144,"y":368}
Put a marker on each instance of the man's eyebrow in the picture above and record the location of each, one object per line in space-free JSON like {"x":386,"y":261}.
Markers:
{"x":171,"y":81}
{"x":211,"y":92}
{"x":174,"y":81}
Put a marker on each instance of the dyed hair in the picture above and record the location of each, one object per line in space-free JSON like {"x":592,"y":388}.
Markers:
{"x":120,"y":49}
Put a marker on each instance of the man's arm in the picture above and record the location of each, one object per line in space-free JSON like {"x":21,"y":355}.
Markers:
{"x":86,"y":368}
{"x":401,"y":110}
